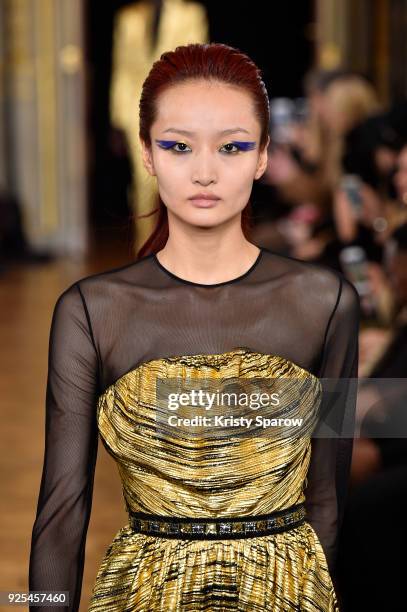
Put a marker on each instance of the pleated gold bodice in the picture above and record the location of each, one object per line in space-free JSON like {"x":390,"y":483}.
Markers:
{"x":171,"y":474}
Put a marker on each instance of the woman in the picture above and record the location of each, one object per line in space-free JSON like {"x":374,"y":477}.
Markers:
{"x":215,"y":520}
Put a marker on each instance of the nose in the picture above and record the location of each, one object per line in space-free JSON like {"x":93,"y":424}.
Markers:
{"x":204,"y":171}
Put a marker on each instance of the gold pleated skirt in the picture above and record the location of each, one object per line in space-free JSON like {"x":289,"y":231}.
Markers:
{"x":274,"y":573}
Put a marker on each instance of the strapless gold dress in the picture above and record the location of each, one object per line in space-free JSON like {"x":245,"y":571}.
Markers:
{"x":171,"y":474}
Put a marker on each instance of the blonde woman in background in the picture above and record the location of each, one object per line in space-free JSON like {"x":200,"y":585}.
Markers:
{"x":335,"y":107}
{"x":347,"y":101}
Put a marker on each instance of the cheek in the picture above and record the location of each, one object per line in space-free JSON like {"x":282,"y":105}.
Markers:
{"x":240,"y":174}
{"x":171,"y":173}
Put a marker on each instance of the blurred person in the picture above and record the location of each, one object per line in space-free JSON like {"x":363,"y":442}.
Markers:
{"x":371,"y":560}
{"x":398,"y":212}
{"x":389,"y":359}
{"x":345,"y":103}
{"x":308,"y":171}
{"x":365,"y":212}
{"x":372,"y":147}
{"x":365,"y":198}
{"x":336,"y":105}
{"x":296,"y":178}
{"x":316,"y":82}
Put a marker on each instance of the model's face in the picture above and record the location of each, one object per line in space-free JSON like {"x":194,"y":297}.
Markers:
{"x":205,"y":159}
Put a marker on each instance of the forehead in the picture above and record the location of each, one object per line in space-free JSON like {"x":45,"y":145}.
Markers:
{"x":205,"y":107}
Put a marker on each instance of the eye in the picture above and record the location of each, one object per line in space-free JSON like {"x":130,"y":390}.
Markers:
{"x":232,"y":144}
{"x":241,"y":146}
{"x":170,"y":144}
{"x":182,"y":144}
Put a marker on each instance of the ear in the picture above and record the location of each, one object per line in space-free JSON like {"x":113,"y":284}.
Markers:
{"x":262,"y":162}
{"x":147,"y":158}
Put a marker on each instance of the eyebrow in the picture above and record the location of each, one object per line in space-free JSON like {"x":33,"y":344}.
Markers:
{"x":188,"y":133}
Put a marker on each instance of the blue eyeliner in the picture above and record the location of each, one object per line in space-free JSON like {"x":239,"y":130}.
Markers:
{"x":246,"y":146}
{"x":242,"y":145}
{"x":166,"y":144}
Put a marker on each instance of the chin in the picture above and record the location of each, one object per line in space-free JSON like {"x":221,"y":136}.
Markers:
{"x":204,"y":217}
{"x":204,"y":223}
{"x":210,"y":222}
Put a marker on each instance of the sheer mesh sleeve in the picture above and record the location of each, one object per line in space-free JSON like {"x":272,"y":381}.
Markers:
{"x":71,"y":442}
{"x":328,"y":475}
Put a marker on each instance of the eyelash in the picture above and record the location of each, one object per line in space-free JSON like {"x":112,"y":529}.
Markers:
{"x":241,"y":146}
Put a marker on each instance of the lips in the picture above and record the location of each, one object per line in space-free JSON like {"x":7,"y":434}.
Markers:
{"x":205,"y":196}
{"x":204,"y":200}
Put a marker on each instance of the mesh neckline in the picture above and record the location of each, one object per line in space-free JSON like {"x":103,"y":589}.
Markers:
{"x":227,"y":282}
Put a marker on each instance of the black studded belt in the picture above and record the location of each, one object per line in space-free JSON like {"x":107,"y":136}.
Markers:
{"x":217,"y":528}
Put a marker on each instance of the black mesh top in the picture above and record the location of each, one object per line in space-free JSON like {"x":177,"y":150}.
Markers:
{"x":105,"y":324}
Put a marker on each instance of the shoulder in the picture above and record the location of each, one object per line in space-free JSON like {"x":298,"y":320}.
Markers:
{"x":106,"y":284}
{"x":316,"y":284}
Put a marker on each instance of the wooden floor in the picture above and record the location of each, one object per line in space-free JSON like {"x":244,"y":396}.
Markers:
{"x":28,"y":293}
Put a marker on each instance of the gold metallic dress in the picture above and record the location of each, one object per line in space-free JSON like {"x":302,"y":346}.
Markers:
{"x":167,"y":472}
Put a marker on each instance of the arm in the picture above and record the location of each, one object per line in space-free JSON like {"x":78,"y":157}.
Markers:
{"x":329,"y":471}
{"x":71,"y":441}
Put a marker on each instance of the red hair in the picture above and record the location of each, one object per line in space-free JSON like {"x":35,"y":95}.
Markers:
{"x":209,"y":61}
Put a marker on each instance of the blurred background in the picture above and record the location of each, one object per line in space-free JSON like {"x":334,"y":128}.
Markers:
{"x":334,"y":192}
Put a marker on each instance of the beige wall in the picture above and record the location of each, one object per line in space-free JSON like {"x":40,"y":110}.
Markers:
{"x":44,"y":99}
